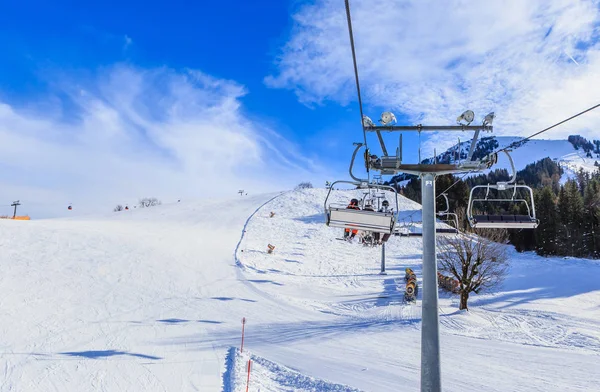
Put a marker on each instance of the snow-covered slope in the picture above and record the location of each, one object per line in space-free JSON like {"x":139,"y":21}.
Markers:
{"x":153,"y":299}
{"x":561,"y":151}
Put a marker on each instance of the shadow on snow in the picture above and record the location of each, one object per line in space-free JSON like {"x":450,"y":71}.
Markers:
{"x":92,"y":354}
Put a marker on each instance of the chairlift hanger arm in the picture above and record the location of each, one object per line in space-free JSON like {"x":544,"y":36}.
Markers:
{"x":358,"y":147}
{"x":473,"y":145}
{"x":447,"y":210}
{"x":385,"y":153}
{"x":512,"y":166}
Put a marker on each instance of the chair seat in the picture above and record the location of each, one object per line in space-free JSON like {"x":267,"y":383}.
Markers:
{"x":378,"y":222}
{"x":504,"y":221}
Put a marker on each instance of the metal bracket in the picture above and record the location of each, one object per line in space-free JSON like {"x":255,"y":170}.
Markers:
{"x":385,"y":153}
{"x":358,"y":146}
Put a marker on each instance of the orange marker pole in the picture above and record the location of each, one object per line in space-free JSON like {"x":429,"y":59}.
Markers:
{"x":248,"y":381}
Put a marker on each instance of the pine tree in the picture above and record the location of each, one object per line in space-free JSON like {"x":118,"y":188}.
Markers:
{"x":591,"y":201}
{"x":571,"y":211}
{"x":547,"y":233}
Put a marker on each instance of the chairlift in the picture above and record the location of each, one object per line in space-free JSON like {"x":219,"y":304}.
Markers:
{"x":503,"y":221}
{"x":337,"y":215}
{"x":450,"y":217}
{"x":404,"y":228}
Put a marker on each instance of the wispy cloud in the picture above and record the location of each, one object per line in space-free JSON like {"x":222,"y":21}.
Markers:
{"x":129,"y":132}
{"x":127,"y":42}
{"x":532,"y":62}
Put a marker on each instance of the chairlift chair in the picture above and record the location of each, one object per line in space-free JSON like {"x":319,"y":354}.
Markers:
{"x":503,"y":221}
{"x":405,"y":228}
{"x":337,"y":215}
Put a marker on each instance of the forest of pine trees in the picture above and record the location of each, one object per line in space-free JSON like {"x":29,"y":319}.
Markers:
{"x":569,"y":214}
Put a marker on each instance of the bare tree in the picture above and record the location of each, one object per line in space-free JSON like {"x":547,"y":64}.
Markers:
{"x":149,"y":202}
{"x":477,"y":262}
{"x":304,"y":185}
{"x":118,"y":208}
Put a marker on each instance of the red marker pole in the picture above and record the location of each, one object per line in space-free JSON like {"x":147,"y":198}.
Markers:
{"x":243,"y":324}
{"x":248,"y":382}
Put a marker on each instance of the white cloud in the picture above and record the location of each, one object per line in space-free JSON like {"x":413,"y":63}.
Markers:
{"x":532,"y":62}
{"x":130,"y":133}
{"x":127,"y":42}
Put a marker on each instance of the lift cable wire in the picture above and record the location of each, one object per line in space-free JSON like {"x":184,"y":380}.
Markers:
{"x":455,"y":182}
{"x":517,"y":144}
{"x":512,"y":146}
{"x":356,"y":72}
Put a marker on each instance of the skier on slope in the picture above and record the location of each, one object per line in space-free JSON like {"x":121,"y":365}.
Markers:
{"x":354,"y":206}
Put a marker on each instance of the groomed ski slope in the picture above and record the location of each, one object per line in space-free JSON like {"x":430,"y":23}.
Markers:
{"x":152,"y":300}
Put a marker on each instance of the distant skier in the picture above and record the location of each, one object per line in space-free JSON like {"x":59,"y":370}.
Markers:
{"x":353,"y":206}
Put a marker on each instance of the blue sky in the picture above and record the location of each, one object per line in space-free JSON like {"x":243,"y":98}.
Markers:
{"x":228,"y":40}
{"x":105,"y":102}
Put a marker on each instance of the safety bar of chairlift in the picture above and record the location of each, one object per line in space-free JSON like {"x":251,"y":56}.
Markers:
{"x":504,"y":200}
{"x":531,"y":211}
{"x":452,"y":215}
{"x":405,"y":224}
{"x":360,"y":185}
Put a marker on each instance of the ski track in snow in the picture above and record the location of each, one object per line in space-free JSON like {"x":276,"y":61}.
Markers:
{"x":153,"y":299}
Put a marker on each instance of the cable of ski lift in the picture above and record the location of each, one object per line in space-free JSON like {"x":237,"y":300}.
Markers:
{"x":519,"y":143}
{"x":360,"y":107}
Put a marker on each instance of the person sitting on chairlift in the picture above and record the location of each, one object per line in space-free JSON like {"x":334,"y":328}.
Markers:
{"x":354,"y":206}
{"x":385,"y":207}
{"x":369,"y":207}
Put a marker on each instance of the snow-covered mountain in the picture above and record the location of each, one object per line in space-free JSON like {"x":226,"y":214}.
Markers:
{"x":153,"y":299}
{"x":563,"y":152}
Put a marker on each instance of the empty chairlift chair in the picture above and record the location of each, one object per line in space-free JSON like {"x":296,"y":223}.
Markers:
{"x":337,"y":215}
{"x":406,"y":228}
{"x":504,"y":220}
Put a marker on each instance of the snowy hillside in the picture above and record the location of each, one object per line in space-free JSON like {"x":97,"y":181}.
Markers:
{"x":152,"y":300}
{"x":561,"y":151}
